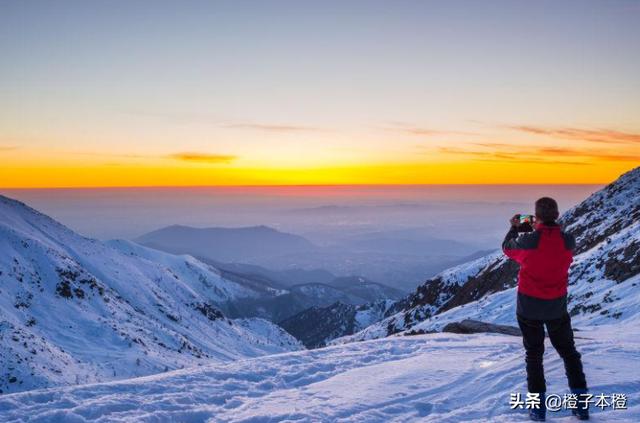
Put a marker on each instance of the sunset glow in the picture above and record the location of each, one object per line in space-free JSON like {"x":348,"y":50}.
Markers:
{"x":218,"y":93}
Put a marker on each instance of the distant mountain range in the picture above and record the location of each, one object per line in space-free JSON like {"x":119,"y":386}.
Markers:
{"x":280,"y":301}
{"x":283,"y":278}
{"x":399,"y":258}
{"x":226,"y":244}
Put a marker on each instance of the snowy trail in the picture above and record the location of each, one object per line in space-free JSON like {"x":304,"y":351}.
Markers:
{"x":430,"y":378}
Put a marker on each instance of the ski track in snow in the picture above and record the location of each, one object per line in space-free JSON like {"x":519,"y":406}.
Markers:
{"x":428,"y":378}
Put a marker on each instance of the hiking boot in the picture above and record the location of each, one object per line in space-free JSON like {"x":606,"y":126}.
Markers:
{"x":539,"y":414}
{"x":582,"y":409}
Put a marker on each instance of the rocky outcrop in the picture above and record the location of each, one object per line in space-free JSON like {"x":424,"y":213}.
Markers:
{"x":475,"y":326}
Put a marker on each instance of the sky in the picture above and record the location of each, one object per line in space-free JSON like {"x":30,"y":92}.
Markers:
{"x":190,"y":93}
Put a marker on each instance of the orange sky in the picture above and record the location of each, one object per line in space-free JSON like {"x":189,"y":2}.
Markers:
{"x":392,"y":154}
{"x":464,"y":172}
{"x":192,"y":94}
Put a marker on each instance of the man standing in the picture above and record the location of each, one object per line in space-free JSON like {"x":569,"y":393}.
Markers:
{"x":544,"y":255}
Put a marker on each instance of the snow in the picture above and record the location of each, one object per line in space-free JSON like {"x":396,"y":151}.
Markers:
{"x":615,"y":205}
{"x":460,"y":274}
{"x":426,"y":378}
{"x":368,"y":314}
{"x":186,"y":267}
{"x":75,"y":310}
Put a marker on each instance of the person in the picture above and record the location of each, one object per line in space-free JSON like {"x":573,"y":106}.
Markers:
{"x":544,"y":256}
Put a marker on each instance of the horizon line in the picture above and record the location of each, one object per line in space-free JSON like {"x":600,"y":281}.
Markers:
{"x":294,"y":186}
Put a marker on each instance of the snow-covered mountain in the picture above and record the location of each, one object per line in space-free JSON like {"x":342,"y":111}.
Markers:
{"x":287,"y":302}
{"x":316,"y":326}
{"x":603,"y":277}
{"x":76,"y":310}
{"x":276,"y":300}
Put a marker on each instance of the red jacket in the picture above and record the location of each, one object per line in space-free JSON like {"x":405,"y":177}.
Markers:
{"x":544,"y":256}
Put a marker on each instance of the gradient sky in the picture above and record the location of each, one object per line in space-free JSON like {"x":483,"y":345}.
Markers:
{"x":139,"y":93}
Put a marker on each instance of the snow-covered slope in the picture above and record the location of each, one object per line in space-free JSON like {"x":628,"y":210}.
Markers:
{"x":603,"y":278}
{"x":429,"y":378}
{"x":211,"y":283}
{"x":428,"y":299}
{"x":75,"y":310}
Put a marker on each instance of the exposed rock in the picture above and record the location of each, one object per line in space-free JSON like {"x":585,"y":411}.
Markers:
{"x":497,"y":277}
{"x":624,"y":263}
{"x":475,"y":326}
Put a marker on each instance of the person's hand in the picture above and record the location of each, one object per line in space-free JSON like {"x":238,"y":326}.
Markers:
{"x":515,"y":221}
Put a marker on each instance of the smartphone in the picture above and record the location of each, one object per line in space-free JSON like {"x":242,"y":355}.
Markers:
{"x":526,"y":218}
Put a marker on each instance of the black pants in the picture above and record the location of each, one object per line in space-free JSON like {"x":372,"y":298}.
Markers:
{"x":561,"y":337}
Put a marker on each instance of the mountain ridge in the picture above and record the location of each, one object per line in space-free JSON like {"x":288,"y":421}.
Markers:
{"x":225,"y":244}
{"x":76,"y":310}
